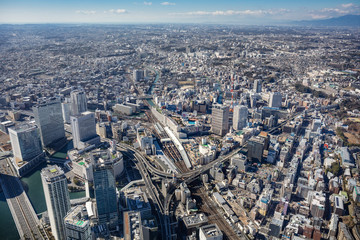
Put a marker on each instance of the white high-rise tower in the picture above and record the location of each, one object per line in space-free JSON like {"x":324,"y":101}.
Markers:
{"x":57,"y":199}
{"x":78,"y":102}
{"x":240,"y":117}
{"x":275,"y":99}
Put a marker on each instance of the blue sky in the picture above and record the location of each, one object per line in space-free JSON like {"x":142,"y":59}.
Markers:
{"x":172,"y":11}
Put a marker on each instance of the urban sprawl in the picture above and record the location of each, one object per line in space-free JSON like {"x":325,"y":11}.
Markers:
{"x":182,"y":131}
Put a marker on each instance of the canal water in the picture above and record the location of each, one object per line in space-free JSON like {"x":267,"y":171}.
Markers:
{"x":7,"y":226}
{"x":33,"y":187}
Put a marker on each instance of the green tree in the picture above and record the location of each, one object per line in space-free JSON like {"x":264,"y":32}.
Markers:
{"x":335,"y":168}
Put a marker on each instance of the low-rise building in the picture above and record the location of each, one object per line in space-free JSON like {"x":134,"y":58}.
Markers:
{"x":210,"y":232}
{"x":77,"y":224}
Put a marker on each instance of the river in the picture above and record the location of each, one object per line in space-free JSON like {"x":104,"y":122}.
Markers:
{"x":33,"y":187}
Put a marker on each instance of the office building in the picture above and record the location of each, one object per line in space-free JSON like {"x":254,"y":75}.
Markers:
{"x":149,"y":229}
{"x":193,"y":222}
{"x":344,"y":232}
{"x":338,"y":205}
{"x":66,"y":110}
{"x":316,"y":124}
{"x":4,"y":126}
{"x":26,"y":146}
{"x":255,"y":148}
{"x":82,"y":161}
{"x":210,"y":232}
{"x":49,"y":119}
{"x":240,"y":161}
{"x":84,"y":130}
{"x":257,"y":86}
{"x":138,"y":74}
{"x":240,"y":117}
{"x":25,"y":142}
{"x":121,"y":108}
{"x":77,"y":224}
{"x":78,"y":102}
{"x":220,"y":120}
{"x":57,"y":199}
{"x":275,"y":100}
{"x":275,"y":227}
{"x":105,"y":192}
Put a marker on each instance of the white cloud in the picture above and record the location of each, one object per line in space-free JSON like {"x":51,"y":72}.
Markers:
{"x":235,"y":12}
{"x":116,"y":11}
{"x":86,"y":12}
{"x":348,"y":5}
{"x":147,"y":3}
{"x":334,"y":10}
{"x":168,"y":3}
{"x":341,"y":10}
{"x":315,"y":16}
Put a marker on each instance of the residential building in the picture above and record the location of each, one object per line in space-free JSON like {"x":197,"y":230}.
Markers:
{"x":57,"y":198}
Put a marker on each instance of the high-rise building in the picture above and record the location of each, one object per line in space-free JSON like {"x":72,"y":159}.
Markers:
{"x":255,"y":148}
{"x":77,"y":224}
{"x":138,"y":74}
{"x":105,"y":192}
{"x":240,"y":117}
{"x":66,"y":110}
{"x":78,"y":102}
{"x":57,"y":198}
{"x":275,"y":100}
{"x":49,"y":119}
{"x":26,"y":146}
{"x":257,"y":86}
{"x":220,"y":120}
{"x":84,"y":130}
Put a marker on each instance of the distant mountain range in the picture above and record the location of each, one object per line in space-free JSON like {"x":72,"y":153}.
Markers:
{"x":343,"y":21}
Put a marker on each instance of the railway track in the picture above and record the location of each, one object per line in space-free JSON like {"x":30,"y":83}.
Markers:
{"x":217,"y":217}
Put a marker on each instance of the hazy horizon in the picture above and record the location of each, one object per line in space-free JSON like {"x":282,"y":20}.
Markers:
{"x":256,"y":12}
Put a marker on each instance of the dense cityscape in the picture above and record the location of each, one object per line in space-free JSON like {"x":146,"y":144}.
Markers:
{"x":180,"y":131}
